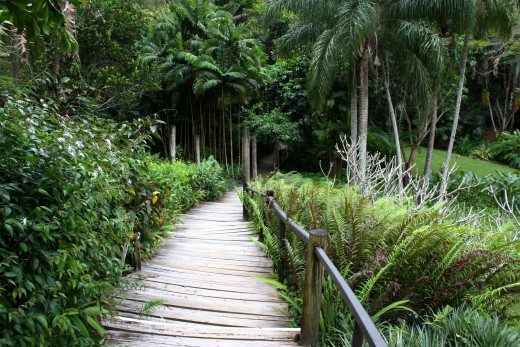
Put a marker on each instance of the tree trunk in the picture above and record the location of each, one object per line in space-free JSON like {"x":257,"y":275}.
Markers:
{"x":353,"y":110}
{"x":363,"y":118}
{"x":431,"y":139}
{"x":396,"y":130}
{"x":444,"y":182}
{"x":16,"y":60}
{"x":57,"y":56}
{"x":354,"y":120}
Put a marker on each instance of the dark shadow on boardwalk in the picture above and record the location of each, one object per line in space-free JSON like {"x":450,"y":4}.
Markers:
{"x":203,"y":277}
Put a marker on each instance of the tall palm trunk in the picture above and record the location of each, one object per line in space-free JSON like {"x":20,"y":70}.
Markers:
{"x":433,"y":125}
{"x":354,"y":119}
{"x":444,"y":182}
{"x":396,"y":131}
{"x":363,"y":118}
{"x":353,"y":109}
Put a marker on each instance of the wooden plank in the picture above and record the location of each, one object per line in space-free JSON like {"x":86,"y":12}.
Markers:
{"x":210,"y":274}
{"x":212,"y":270}
{"x":165,"y":261}
{"x":211,"y":332}
{"x":212,"y":293}
{"x":204,"y":302}
{"x":184,"y":257}
{"x":135,"y":339}
{"x":199,"y":284}
{"x":207,"y":317}
{"x":202,"y":277}
{"x":215,"y":237}
{"x":217,"y":256}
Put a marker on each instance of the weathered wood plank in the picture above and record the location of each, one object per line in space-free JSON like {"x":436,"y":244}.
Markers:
{"x":217,"y":287}
{"x":135,"y":339}
{"x":211,"y":332}
{"x":207,"y":317}
{"x":212,"y":293}
{"x":212,"y":255}
{"x":202,"y":302}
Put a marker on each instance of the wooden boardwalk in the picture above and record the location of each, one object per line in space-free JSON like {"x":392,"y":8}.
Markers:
{"x":204,"y":275}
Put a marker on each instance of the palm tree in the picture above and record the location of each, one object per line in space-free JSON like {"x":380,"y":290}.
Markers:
{"x":458,"y":17}
{"x":340,"y":33}
{"x":346,"y":34}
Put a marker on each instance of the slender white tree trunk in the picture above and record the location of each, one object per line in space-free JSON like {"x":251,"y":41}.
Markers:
{"x":354,"y":120}
{"x":444,"y":182}
{"x":433,"y":126}
{"x":353,"y":110}
{"x":363,"y":118}
{"x":396,"y":131}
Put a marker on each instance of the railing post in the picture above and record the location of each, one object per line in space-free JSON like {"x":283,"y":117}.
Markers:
{"x":281,"y":239}
{"x":251,"y":207}
{"x":312,"y":290}
{"x":246,"y":167}
{"x":266,"y":214}
{"x":357,"y":336}
{"x":138,"y":249}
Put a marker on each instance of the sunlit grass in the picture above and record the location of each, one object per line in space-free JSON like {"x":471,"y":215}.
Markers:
{"x":479,"y":167}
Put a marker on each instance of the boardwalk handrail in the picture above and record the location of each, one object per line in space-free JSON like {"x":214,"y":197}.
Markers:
{"x":363,"y":325}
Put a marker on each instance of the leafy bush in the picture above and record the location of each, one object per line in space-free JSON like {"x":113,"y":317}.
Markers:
{"x":464,"y":146}
{"x":269,"y":125}
{"x":378,"y":143}
{"x":476,"y":190}
{"x":72,"y":193}
{"x":482,"y":152}
{"x":507,"y":148}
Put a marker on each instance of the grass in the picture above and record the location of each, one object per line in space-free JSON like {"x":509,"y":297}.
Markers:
{"x":479,"y":167}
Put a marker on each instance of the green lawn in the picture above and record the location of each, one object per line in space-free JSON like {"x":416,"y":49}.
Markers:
{"x":479,"y":167}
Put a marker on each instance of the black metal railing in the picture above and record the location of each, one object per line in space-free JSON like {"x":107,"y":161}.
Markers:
{"x":316,"y":262}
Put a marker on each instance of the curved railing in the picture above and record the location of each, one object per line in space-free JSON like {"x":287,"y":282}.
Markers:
{"x":316,"y":262}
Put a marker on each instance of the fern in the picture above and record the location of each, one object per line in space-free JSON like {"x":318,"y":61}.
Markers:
{"x":148,"y":309}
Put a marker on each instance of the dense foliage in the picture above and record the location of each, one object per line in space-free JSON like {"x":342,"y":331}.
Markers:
{"x":393,"y":257}
{"x":73,"y":191}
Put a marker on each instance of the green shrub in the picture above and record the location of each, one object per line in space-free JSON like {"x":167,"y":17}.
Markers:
{"x":377,"y":143}
{"x":476,"y":190}
{"x":507,"y":148}
{"x":482,"y":152}
{"x":464,"y":146}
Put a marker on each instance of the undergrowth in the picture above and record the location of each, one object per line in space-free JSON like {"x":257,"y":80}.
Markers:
{"x":397,"y":259}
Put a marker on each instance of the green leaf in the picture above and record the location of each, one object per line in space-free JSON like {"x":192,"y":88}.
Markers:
{"x":94,"y":324}
{"x":43,"y":320}
{"x":398,"y":305}
{"x":273,"y":282}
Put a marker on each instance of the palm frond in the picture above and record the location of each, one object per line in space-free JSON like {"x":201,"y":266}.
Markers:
{"x":323,"y":68}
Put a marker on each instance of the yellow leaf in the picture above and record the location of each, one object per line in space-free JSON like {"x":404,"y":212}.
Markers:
{"x":154,"y":199}
{"x":156,"y":192}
